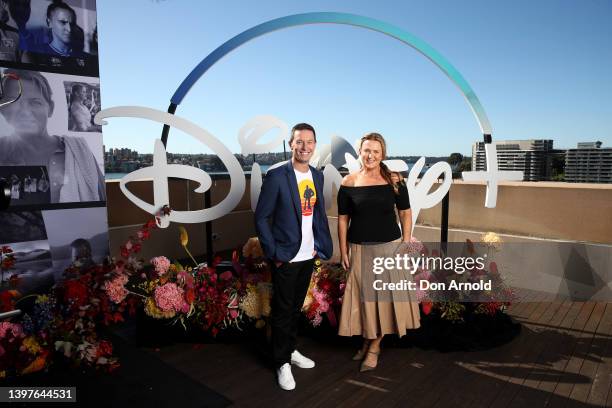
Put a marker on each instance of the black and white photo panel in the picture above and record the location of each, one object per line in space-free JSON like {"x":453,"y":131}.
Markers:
{"x":77,"y":236}
{"x":83,"y":99}
{"x":22,"y":227}
{"x":46,"y":243}
{"x":41,"y":127}
{"x":25,"y":233}
{"x":29,"y":185}
{"x":50,"y":35}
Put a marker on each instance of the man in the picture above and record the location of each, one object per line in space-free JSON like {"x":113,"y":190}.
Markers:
{"x":9,"y":36}
{"x":80,"y":115}
{"x":61,"y":20}
{"x":66,"y":42}
{"x":73,"y":172}
{"x":291,"y":235}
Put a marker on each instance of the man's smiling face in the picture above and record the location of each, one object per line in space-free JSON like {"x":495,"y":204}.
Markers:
{"x":303,"y":145}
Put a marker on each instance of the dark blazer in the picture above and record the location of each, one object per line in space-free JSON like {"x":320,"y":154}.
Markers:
{"x":278,"y":216}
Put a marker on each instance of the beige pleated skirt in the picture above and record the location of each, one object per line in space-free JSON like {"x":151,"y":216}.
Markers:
{"x":370,"y":313}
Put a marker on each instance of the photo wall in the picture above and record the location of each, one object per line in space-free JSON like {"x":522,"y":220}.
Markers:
{"x":57,"y":36}
{"x":51,"y":152}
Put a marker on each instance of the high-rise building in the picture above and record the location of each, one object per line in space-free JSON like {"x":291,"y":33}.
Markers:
{"x":532,"y":157}
{"x":589,"y":163}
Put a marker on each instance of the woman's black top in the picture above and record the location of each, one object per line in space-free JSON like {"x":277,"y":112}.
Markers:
{"x":372,"y":212}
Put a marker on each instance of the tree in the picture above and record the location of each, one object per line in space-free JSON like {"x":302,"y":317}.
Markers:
{"x":454,"y":160}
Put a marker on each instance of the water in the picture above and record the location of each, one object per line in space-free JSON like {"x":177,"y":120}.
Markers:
{"x":114,"y":176}
{"x":117,"y":176}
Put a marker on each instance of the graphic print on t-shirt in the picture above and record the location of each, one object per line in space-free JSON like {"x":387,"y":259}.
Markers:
{"x":308,"y":197}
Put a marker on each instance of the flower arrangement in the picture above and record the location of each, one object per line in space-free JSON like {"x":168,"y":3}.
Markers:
{"x":67,"y":321}
{"x":325,"y":293}
{"x":455,"y":305}
{"x":21,"y":352}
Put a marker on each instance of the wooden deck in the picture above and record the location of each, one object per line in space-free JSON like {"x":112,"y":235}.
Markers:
{"x":562,"y":358}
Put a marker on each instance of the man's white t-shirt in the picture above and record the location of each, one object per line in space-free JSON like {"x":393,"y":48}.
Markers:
{"x":308,"y":198}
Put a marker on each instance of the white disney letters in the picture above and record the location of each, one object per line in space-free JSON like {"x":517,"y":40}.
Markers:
{"x":248,"y":136}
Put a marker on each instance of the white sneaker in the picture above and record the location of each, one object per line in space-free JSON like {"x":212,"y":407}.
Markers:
{"x":301,"y":361}
{"x":285,"y":378}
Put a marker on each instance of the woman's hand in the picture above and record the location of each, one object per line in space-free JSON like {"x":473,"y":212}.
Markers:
{"x":345,"y":261}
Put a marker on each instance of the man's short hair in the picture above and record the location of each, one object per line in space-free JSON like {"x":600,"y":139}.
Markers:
{"x":77,"y":87}
{"x":60,"y":5}
{"x":302,"y":126}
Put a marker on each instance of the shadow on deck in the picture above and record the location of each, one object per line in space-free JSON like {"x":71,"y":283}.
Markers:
{"x":563,"y":357}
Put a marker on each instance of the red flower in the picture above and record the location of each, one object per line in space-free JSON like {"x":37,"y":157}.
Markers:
{"x":124,"y":251}
{"x":76,"y":292}
{"x":190,"y":296}
{"x":105,"y":348}
{"x":227,"y":275}
{"x":8,"y":262}
{"x":165,"y":210}
{"x":426,"y":307}
{"x":326,"y":285}
{"x":7,"y":302}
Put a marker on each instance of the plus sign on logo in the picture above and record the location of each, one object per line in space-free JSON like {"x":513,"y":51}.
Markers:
{"x":492,"y":176}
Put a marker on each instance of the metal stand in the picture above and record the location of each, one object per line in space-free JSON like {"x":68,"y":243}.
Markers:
{"x":209,"y":233}
{"x":444,"y":223}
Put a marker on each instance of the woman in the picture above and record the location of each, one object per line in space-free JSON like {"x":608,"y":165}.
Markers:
{"x":368,"y":199}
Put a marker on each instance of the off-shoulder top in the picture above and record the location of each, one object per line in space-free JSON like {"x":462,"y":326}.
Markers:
{"x":372,"y":212}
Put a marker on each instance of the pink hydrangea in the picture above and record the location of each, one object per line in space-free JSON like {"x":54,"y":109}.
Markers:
{"x":115,"y":288}
{"x":321,"y":299}
{"x":15,"y":328}
{"x":161,"y":264}
{"x":169,"y":297}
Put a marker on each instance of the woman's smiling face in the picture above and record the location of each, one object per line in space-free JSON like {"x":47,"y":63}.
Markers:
{"x":371,"y":154}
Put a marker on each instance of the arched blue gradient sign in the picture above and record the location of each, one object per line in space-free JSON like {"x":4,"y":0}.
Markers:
{"x":421,"y":198}
{"x":336,"y":18}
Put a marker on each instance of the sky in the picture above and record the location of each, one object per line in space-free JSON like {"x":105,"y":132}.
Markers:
{"x":541,"y":70}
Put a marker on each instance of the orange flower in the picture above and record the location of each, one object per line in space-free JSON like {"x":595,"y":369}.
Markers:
{"x":190,"y":295}
{"x":36,"y":365}
{"x":184,"y":236}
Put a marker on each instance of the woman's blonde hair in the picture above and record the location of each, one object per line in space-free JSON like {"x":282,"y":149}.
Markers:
{"x":384,"y":170}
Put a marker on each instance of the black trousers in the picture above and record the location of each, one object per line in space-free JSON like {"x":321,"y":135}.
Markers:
{"x":290,"y":283}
